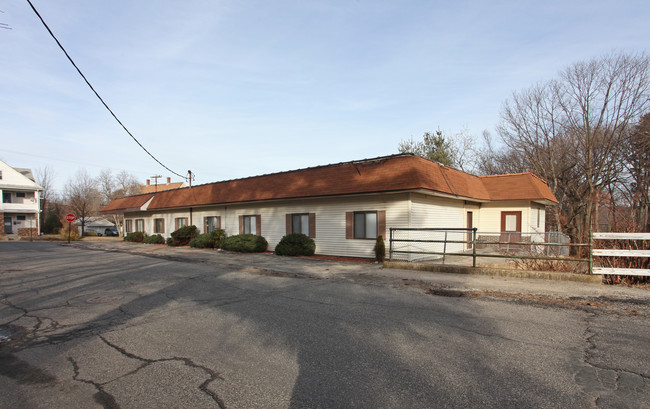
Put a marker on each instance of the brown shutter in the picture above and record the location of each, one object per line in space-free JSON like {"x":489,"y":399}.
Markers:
{"x":258,"y":224}
{"x":218,"y":222}
{"x":205,"y":224}
{"x":288,"y":223}
{"x":349,"y":225}
{"x":312,"y":225}
{"x":241,"y":224}
{"x":381,"y":223}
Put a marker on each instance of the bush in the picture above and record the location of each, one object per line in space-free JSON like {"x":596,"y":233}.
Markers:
{"x":209,"y":240}
{"x":183,"y":236}
{"x":295,"y":244}
{"x":136,"y":237}
{"x":169,"y":241}
{"x":52,"y":224}
{"x":245,"y":243}
{"x":217,"y":237}
{"x":380,"y":249}
{"x":202,"y":241}
{"x":90,"y":233}
{"x":155,"y":239}
{"x":74,"y":233}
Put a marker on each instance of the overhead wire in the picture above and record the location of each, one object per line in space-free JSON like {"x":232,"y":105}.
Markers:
{"x":97,"y":94}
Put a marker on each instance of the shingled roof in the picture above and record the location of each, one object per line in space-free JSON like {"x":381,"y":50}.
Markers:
{"x":403,"y":172}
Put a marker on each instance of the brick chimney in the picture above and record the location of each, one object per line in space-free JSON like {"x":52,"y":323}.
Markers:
{"x":169,"y":180}
{"x":148,"y":182}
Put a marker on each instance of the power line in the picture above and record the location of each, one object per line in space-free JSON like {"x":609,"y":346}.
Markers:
{"x":97,"y":94}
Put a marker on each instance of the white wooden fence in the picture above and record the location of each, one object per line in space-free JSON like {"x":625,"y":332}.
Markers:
{"x":620,"y":253}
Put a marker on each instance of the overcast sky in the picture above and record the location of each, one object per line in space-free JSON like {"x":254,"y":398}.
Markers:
{"x":231,"y":89}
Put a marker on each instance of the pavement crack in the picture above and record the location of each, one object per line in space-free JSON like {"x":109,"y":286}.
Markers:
{"x":203,"y":387}
{"x":101,"y":396}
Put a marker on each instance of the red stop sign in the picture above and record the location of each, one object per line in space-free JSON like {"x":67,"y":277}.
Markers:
{"x":70,"y":217}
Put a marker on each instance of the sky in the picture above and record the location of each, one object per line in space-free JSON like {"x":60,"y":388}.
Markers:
{"x":238,"y":88}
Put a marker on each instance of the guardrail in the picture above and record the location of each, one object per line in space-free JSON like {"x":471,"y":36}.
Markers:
{"x":473,"y":241}
{"x":619,"y":253}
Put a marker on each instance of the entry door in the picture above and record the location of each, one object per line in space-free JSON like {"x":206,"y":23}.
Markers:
{"x":510,"y":228}
{"x":8,"y":226}
{"x":470,"y":224}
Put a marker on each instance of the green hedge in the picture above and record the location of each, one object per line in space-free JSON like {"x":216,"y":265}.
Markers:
{"x":209,"y":240}
{"x":245,"y":243}
{"x":136,"y":237}
{"x":182,"y":236}
{"x":295,"y":244}
{"x":155,"y":239}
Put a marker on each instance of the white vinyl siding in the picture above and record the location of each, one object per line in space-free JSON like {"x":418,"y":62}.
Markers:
{"x":402,"y":210}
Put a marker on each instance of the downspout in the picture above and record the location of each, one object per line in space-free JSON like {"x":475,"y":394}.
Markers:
{"x":191,"y":217}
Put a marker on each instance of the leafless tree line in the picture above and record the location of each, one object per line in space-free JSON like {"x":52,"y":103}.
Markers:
{"x":83,"y":194}
{"x":587,"y":133}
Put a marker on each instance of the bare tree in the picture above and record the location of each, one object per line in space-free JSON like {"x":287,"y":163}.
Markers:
{"x":44,"y":178}
{"x":82,"y":196}
{"x":450,"y":149}
{"x":571,"y":130}
{"x":113,"y":186}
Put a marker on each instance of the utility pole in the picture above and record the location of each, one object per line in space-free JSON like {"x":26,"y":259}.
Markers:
{"x":155,"y":179}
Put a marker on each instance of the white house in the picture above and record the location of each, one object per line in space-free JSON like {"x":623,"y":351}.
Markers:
{"x":20,"y":205}
{"x":345,"y":206}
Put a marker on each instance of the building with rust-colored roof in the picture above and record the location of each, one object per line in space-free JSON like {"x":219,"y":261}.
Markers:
{"x":345,"y":206}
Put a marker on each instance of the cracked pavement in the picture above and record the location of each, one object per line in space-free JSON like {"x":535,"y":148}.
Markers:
{"x":133,"y":327}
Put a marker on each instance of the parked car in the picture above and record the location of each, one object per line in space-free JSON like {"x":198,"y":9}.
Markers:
{"x":111,"y":231}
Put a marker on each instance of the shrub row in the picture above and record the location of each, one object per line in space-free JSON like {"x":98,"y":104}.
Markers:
{"x":245,"y":243}
{"x":212,"y":240}
{"x":295,"y":244}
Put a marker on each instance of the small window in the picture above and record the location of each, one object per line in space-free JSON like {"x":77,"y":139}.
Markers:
{"x":6,"y":197}
{"x":128,"y":224}
{"x":20,"y":194}
{"x":250,"y":224}
{"x":158,"y":225}
{"x":180,"y":222}
{"x":20,"y":218}
{"x":300,"y":223}
{"x":0,"y":175}
{"x":365,"y":225}
{"x":211,"y":223}
{"x":139,"y":225}
{"x":539,"y":216}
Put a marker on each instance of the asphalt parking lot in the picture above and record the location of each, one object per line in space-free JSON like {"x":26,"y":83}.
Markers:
{"x":126,"y":326}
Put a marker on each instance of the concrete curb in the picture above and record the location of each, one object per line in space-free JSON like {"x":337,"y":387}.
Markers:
{"x":491,"y":271}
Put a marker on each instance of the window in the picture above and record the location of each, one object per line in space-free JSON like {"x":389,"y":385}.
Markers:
{"x":211,"y":223}
{"x":250,"y":224}
{"x":180,"y":222}
{"x":365,"y":225}
{"x":539,"y":216}
{"x":128,"y":226}
{"x":20,"y":194}
{"x":139,"y":225}
{"x":158,"y":225}
{"x":6,"y":197}
{"x":300,"y":224}
{"x":20,"y":218}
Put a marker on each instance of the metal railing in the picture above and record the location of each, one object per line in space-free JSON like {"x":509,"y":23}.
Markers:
{"x":423,"y":244}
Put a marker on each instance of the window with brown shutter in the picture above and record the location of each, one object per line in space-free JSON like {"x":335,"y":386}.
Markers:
{"x":365,"y":225}
{"x":250,"y":224}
